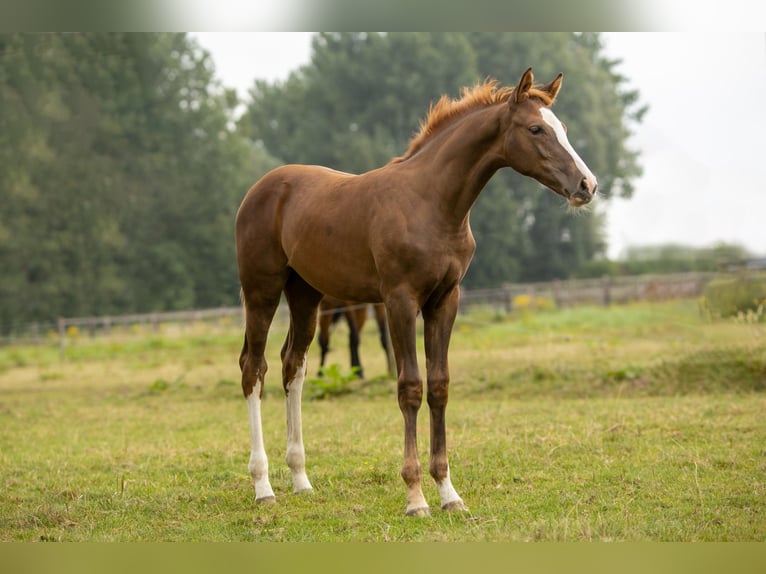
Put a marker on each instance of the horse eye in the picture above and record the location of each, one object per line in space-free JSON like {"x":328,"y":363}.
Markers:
{"x":536,"y":129}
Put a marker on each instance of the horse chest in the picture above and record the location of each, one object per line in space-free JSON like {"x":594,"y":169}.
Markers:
{"x":424,"y":260}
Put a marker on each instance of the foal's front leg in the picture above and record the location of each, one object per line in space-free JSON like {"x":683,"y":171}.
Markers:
{"x":439,"y":319}
{"x":402,"y":310}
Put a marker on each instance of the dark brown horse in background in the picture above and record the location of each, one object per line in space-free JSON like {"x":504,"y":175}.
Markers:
{"x":330,"y":312}
{"x":399,"y":235}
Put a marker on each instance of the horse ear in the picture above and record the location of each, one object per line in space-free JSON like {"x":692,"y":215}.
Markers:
{"x":554,"y":87}
{"x":520,"y":94}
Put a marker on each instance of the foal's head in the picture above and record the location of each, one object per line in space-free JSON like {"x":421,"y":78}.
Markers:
{"x":536,"y":143}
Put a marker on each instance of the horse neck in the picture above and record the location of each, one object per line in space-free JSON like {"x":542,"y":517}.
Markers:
{"x":456,"y":165}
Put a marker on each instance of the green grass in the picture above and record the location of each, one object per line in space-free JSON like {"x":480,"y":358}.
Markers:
{"x":640,"y":422}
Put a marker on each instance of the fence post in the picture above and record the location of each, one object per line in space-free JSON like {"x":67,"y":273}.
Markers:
{"x":62,"y":338}
{"x":556,"y":289}
{"x":606,"y":283}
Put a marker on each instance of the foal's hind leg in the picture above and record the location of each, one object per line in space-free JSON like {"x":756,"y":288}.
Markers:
{"x":303,"y":301}
{"x":259,"y":312}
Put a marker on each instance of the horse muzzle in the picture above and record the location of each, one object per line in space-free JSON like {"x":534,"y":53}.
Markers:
{"x":585,"y":193}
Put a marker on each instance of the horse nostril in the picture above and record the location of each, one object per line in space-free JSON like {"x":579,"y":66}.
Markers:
{"x":585,"y":187}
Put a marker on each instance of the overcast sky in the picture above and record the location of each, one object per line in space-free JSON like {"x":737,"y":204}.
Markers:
{"x":701,"y":142}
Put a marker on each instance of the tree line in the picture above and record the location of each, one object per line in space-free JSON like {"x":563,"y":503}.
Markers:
{"x":124,"y":158}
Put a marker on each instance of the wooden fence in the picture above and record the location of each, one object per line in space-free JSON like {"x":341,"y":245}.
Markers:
{"x":605,"y":291}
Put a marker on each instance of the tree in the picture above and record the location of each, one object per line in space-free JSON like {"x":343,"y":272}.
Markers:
{"x":675,"y":258}
{"x":123,"y":176}
{"x":360,"y":99}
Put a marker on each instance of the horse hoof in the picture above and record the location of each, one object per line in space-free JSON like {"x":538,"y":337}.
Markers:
{"x":422,"y":512}
{"x":304,"y":491}
{"x":455,"y":506}
{"x":267,"y":500}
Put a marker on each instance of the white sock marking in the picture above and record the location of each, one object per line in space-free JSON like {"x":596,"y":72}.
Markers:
{"x":558,"y":128}
{"x":296,"y":457}
{"x":259,"y":464}
{"x":447,"y":492}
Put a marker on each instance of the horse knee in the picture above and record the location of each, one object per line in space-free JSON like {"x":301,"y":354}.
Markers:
{"x":438,"y":392}
{"x":410,"y":393}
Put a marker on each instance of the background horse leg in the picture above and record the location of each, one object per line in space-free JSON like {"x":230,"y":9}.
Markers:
{"x":304,"y":302}
{"x":323,"y":337}
{"x":385,"y":337}
{"x":355,"y":319}
{"x":402,"y":309}
{"x":259,"y":312}
{"x":438,"y":320}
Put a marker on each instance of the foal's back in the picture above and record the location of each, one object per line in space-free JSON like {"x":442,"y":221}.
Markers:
{"x":318,"y":222}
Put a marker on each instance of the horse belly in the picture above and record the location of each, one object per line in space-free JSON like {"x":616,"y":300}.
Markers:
{"x":343,"y":280}
{"x":334,"y":262}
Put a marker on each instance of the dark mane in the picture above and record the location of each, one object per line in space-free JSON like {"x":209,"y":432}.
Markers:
{"x":447,"y":109}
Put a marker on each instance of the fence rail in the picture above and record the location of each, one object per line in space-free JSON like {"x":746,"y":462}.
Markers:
{"x":604,"y":291}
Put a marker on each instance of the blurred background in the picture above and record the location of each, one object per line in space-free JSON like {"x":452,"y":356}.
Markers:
{"x":125,"y":155}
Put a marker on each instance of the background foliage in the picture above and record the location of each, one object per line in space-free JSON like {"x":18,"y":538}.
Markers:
{"x":123,"y":163}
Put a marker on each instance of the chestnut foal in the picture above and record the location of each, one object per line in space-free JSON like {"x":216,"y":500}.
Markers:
{"x":400,"y":235}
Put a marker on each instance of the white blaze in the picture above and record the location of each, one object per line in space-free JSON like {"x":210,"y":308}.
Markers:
{"x":558,"y":128}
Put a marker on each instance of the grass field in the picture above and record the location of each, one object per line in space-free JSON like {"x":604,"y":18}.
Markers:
{"x":641,"y":422}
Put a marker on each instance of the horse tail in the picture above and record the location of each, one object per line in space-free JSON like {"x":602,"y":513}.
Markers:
{"x":243,"y":303}
{"x":243,"y":353}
